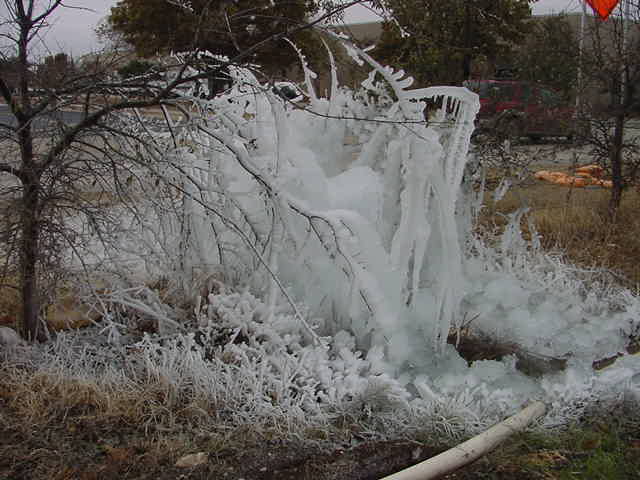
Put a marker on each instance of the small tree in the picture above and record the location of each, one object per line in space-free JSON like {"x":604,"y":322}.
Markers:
{"x":610,"y":74}
{"x":601,"y":77}
{"x":49,"y":160}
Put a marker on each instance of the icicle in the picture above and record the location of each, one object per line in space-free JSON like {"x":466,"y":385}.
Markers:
{"x":309,"y":75}
{"x":501,"y":191}
{"x":428,"y":169}
{"x":276,"y":247}
{"x":333,"y":110}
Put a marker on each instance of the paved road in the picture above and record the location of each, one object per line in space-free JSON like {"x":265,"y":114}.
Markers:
{"x":68,"y":117}
{"x":555,"y":153}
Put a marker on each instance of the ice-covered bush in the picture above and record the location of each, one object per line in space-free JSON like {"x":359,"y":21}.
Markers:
{"x":273,"y":196}
{"x":345,"y":219}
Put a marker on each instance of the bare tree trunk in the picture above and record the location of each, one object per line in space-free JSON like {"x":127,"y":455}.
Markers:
{"x":616,"y":165}
{"x":623,"y":101}
{"x":29,"y":177}
{"x":30,"y":230}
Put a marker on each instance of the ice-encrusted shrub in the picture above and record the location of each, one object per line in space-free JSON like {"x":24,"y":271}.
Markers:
{"x":545,"y":305}
{"x":272,"y":196}
{"x":348,"y":250}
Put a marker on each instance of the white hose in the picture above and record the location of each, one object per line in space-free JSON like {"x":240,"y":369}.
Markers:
{"x":472,"y":449}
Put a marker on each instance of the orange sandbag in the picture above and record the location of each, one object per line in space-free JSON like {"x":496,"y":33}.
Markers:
{"x":581,"y":180}
{"x":604,"y":183}
{"x":552,"y":177}
{"x":593,"y":170}
{"x":561,"y":178}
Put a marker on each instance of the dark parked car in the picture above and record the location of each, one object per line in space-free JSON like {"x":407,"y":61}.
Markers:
{"x":287,"y":90}
{"x":515,"y":109}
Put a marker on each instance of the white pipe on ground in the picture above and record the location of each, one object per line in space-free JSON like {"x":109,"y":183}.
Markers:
{"x":472,"y":449}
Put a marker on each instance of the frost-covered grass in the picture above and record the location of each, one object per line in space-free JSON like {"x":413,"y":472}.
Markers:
{"x":242,"y":366}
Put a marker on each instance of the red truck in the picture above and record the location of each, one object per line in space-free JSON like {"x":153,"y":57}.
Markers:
{"x":515,"y":109}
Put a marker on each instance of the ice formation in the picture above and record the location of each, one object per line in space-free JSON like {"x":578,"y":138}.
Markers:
{"x":375,"y":240}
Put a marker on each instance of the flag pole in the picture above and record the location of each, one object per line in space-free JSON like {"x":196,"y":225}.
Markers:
{"x":626,"y":13}
{"x":580,"y":49}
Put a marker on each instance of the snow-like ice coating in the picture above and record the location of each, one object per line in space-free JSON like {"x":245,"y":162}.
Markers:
{"x":371,"y":249}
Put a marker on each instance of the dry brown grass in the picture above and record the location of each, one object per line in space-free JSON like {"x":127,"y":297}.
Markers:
{"x":46,"y":398}
{"x":9,"y":301}
{"x":53,"y":427}
{"x":576,"y":221}
{"x":42,"y":398}
{"x":61,"y":428}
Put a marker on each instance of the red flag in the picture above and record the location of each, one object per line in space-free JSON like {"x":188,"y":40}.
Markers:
{"x":603,"y":8}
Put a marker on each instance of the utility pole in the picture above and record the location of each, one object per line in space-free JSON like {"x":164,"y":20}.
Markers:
{"x":580,"y":60}
{"x":625,"y":6}
{"x":466,"y":59}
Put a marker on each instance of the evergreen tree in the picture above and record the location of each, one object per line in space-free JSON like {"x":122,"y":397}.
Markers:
{"x":440,"y":40}
{"x":219,"y":26}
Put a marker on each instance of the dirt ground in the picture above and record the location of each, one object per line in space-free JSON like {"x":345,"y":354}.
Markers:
{"x":83,"y":446}
{"x":79,"y":449}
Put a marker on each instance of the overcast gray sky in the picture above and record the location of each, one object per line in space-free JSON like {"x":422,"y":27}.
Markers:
{"x":73,"y":29}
